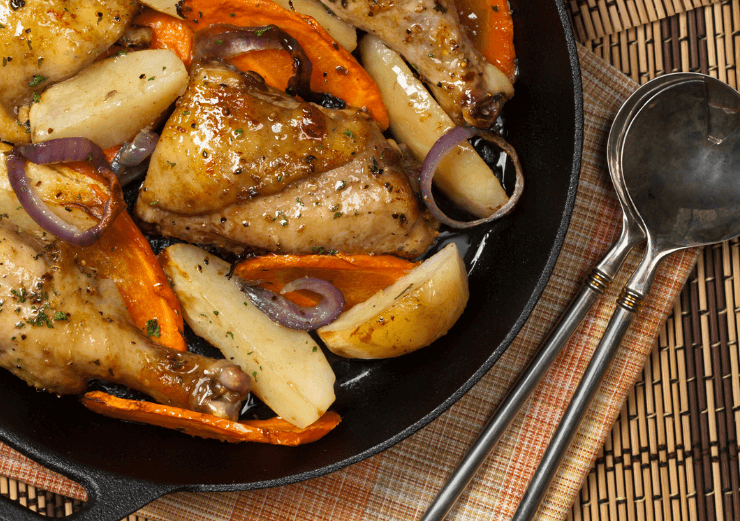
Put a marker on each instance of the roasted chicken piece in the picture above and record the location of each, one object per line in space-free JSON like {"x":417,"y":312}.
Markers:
{"x":46,"y":41}
{"x":60,"y":326}
{"x":428,"y":35}
{"x":241,"y":165}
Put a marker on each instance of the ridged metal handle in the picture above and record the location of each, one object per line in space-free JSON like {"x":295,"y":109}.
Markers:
{"x":595,"y":284}
{"x":597,"y":368}
{"x":628,"y":304}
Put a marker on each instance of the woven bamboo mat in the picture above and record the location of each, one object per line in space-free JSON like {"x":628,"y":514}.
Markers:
{"x":673,"y":453}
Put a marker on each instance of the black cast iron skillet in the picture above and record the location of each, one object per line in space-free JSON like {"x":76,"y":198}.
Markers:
{"x":123,"y":466}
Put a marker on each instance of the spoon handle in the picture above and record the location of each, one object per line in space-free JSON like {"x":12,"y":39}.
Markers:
{"x":628,"y":304}
{"x":597,"y":281}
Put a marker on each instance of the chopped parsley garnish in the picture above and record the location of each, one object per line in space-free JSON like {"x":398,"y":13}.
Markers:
{"x":38,"y":79}
{"x":152,"y":328}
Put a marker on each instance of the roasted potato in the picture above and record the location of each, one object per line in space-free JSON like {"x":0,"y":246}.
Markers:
{"x":290,"y":372}
{"x":412,"y":313}
{"x":110,"y":101}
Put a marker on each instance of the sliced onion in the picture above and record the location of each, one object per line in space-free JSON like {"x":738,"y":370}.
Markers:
{"x":446,"y":144}
{"x":228,"y":41}
{"x":288,"y":314}
{"x":135,"y":152}
{"x":63,"y":150}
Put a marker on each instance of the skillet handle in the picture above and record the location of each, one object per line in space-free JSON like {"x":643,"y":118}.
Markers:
{"x":110,"y":498}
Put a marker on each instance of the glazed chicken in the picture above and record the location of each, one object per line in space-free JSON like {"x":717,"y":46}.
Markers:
{"x":242,"y":165}
{"x":61,"y":326}
{"x":43,"y":42}
{"x":428,"y":35}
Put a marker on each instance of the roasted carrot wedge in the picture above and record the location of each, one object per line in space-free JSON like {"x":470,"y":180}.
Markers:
{"x":275,"y":431}
{"x":492,"y":31}
{"x":358,"y":277}
{"x":124,"y":256}
{"x":168,"y":32}
{"x":335,"y":70}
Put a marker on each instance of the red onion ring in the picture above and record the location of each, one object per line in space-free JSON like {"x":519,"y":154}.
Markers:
{"x":288,"y":314}
{"x":447,"y":144}
{"x":63,"y":150}
{"x":133,"y":153}
{"x":226,"y":41}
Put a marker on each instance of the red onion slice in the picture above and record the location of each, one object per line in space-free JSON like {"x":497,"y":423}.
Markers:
{"x":226,"y":41}
{"x":63,"y":150}
{"x":288,"y":314}
{"x":135,"y":152}
{"x":447,"y":144}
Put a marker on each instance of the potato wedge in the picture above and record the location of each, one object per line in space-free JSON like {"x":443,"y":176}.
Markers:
{"x":112,"y":100}
{"x":416,"y":310}
{"x":164,"y":6}
{"x":290,"y":372}
{"x":418,"y":121}
{"x":344,"y":33}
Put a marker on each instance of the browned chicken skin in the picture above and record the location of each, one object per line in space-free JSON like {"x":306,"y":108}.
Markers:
{"x":428,"y":35}
{"x":43,"y":42}
{"x":241,"y":165}
{"x":61,"y":326}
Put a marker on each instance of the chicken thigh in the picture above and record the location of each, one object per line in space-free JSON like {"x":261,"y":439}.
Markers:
{"x":428,"y":35}
{"x":241,"y":165}
{"x":61,"y":326}
{"x":43,"y":42}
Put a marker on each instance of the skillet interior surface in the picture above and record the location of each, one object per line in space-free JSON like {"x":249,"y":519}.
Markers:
{"x":381,"y":402}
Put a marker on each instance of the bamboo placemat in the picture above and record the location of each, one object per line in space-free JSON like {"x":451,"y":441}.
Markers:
{"x":673,"y":453}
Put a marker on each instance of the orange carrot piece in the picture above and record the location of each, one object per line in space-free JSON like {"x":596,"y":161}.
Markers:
{"x":358,"y":277}
{"x":275,"y":431}
{"x":168,"y":32}
{"x":492,"y":31}
{"x":123,"y":255}
{"x":335,"y":70}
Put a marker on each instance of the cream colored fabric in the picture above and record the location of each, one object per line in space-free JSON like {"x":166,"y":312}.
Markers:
{"x":399,"y":483}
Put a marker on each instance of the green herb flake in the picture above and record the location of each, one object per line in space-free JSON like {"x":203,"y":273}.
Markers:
{"x":36,"y":97}
{"x":37,"y":80}
{"x":152,"y":328}
{"x":238,"y":132}
{"x":60,"y":315}
{"x":215,"y":313}
{"x":260,"y":32}
{"x":349,"y":133}
{"x":337,"y":215}
{"x":229,"y":333}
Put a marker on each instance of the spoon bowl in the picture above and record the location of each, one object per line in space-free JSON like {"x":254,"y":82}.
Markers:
{"x":682,"y":166}
{"x":674,"y":158}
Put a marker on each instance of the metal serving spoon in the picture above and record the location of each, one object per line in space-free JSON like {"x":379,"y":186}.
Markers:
{"x":677,"y":161}
{"x":596,"y":283}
